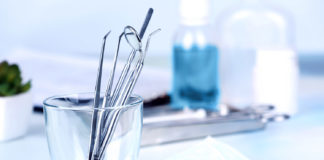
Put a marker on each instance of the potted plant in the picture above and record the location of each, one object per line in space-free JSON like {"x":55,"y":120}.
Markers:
{"x":15,"y":102}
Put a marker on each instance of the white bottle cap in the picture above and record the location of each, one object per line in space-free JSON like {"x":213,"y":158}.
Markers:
{"x":194,"y":12}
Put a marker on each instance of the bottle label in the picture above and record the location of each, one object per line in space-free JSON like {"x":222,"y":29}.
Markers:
{"x":275,"y":79}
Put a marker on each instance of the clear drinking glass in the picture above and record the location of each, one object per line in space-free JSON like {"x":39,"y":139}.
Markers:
{"x":68,"y":126}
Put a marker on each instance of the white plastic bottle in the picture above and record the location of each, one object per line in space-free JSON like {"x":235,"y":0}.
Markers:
{"x":258,"y":63}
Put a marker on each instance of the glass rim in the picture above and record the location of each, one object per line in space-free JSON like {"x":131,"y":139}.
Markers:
{"x":46,"y":104}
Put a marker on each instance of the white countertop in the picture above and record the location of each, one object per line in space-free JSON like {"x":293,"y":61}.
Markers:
{"x":299,"y":138}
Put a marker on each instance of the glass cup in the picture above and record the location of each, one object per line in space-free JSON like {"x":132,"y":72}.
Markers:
{"x":68,"y":125}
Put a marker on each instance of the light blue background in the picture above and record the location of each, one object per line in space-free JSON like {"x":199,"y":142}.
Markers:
{"x":76,"y":26}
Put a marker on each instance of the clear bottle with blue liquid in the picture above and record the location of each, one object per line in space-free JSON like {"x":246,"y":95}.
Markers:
{"x":195,"y":60}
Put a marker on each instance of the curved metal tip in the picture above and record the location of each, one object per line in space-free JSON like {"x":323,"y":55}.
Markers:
{"x":132,"y":38}
{"x":149,"y":39}
{"x":156,"y":31}
{"x":107,"y":34}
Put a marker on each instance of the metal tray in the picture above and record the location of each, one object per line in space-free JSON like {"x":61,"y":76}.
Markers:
{"x":163,"y":125}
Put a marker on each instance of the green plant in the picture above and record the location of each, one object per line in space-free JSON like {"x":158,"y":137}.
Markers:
{"x":11,"y":80}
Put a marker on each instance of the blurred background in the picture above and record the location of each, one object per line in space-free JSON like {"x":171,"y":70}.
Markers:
{"x":75,"y":27}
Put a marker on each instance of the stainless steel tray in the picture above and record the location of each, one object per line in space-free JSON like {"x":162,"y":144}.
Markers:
{"x":163,"y":125}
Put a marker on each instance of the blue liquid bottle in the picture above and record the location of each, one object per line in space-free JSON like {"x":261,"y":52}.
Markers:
{"x":195,"y":60}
